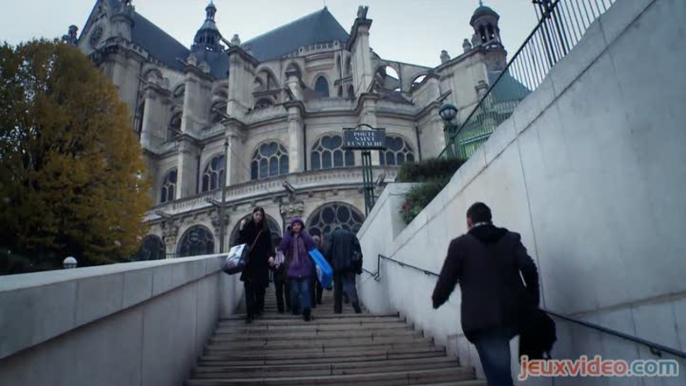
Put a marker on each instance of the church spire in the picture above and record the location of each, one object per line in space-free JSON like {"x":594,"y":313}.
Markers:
{"x":208,"y":36}
{"x":211,"y":11}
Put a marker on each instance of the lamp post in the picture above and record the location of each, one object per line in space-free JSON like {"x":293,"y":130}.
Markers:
{"x":222,"y":207}
{"x":448,"y":112}
{"x":69,"y":263}
{"x":372,"y":138}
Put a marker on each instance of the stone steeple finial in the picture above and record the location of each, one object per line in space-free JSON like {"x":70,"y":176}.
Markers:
{"x":71,"y":36}
{"x":236,"y":41}
{"x":444,"y":56}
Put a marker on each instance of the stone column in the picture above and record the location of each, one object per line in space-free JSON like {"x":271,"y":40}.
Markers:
{"x":234,"y":161}
{"x":170,"y":231}
{"x":296,"y":139}
{"x":369,"y":117}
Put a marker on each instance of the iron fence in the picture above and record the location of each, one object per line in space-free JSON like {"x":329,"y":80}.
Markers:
{"x":562,"y":24}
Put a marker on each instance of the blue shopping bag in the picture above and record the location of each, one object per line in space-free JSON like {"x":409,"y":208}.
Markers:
{"x":324,"y":270}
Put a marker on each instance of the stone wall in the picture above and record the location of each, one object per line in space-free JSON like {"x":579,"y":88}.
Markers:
{"x":140,"y":323}
{"x":590,"y":170}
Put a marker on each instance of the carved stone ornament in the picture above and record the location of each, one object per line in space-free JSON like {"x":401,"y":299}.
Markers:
{"x":214,"y":219}
{"x":293,"y":209}
{"x":170,"y":230}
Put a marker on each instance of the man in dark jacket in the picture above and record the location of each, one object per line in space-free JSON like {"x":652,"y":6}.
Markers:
{"x":487,"y":262}
{"x":345,"y":254}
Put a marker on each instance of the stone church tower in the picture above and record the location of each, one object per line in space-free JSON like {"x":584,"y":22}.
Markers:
{"x":262,"y":119}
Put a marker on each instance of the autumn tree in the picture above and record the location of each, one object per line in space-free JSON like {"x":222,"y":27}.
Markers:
{"x":71,"y":167}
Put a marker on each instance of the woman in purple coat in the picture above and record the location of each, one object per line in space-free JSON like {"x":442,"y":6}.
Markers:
{"x":300,"y":269}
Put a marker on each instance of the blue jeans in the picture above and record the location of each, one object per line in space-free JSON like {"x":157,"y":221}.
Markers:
{"x":300,"y":296}
{"x":494,"y":351}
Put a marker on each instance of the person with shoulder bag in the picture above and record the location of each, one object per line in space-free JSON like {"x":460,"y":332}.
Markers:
{"x":255,"y":275}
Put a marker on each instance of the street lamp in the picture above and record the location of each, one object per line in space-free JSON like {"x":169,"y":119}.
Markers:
{"x":69,"y":263}
{"x":448,"y":112}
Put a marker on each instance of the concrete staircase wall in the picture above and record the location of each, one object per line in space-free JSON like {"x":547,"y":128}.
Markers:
{"x":126,"y":324}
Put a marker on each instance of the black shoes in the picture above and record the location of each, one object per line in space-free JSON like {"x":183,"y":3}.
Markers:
{"x":307,"y":315}
{"x":357,"y":308}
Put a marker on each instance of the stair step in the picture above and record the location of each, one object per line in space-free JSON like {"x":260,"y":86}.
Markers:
{"x":274,"y":336}
{"x":318,"y":356}
{"x":362,"y":316}
{"x":266,"y":351}
{"x":343,"y":368}
{"x":319,"y":343}
{"x":381,"y":378}
{"x":315,"y":325}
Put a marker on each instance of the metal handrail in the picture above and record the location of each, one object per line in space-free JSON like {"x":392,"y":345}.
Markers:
{"x":655,"y":348}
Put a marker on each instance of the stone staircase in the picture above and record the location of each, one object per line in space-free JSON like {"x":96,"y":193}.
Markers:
{"x":345,"y":349}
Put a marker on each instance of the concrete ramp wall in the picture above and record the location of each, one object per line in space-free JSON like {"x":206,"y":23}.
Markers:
{"x":591,"y":170}
{"x":141,"y":323}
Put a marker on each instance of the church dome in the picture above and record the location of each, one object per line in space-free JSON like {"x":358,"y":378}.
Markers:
{"x":483,"y":11}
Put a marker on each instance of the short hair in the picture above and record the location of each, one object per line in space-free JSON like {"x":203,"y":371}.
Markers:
{"x":479,"y":212}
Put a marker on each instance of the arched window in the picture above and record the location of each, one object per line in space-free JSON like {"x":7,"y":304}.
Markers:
{"x":168,"y":190}
{"x":274,"y":229}
{"x":321,"y":86}
{"x":152,"y":248}
{"x":322,"y":221}
{"x":327,"y":153}
{"x":269,"y":160}
{"x":397,"y":152}
{"x":174,"y":126}
{"x":213,"y":177}
{"x":348,"y":66}
{"x":197,"y":240}
{"x":351,"y":91}
{"x":419,"y":79}
{"x":139,"y":119}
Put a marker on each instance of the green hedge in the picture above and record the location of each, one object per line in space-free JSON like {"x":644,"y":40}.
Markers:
{"x":434,"y":174}
{"x":429,"y":169}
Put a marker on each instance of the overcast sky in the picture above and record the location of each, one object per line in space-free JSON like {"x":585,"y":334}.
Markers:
{"x":412,"y":31}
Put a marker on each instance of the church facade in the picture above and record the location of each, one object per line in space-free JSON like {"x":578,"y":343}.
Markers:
{"x":264,"y":117}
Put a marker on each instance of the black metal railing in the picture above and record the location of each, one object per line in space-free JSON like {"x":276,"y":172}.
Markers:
{"x":562,"y":24}
{"x":655,"y":348}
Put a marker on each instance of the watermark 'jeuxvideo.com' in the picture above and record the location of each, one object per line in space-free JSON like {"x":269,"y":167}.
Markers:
{"x":597,"y":367}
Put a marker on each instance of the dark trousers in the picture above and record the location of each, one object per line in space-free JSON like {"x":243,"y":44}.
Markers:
{"x":316,"y":293}
{"x":254,"y":298}
{"x":344,"y":281}
{"x":300,"y":296}
{"x":283,"y":292}
{"x":494,"y":351}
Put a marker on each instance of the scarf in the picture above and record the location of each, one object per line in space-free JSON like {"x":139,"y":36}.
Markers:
{"x":298,"y":249}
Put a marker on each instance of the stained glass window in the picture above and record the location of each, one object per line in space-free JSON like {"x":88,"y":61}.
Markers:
{"x":168,"y":187}
{"x":269,"y":160}
{"x":397,"y":152}
{"x":327,"y":153}
{"x":197,"y":240}
{"x":323,"y":220}
{"x":213,"y":176}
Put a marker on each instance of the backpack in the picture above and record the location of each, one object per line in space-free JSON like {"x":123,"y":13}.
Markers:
{"x":536,"y":334}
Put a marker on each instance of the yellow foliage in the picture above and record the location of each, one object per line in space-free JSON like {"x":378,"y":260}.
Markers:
{"x":69,"y":158}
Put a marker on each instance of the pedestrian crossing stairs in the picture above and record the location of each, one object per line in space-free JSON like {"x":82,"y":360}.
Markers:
{"x":331,"y":349}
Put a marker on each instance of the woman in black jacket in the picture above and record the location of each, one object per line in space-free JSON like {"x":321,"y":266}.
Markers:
{"x":255,"y":277}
